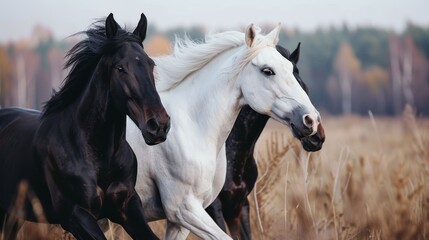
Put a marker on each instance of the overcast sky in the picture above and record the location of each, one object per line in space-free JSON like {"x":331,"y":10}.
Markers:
{"x":65,"y":17}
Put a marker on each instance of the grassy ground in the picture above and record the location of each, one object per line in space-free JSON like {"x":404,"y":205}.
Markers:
{"x":368,"y":182}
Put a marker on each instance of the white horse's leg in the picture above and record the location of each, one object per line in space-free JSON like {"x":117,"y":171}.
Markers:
{"x":191,"y":215}
{"x":175,"y":232}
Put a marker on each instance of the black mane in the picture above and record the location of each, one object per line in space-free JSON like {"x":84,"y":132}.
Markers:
{"x":83,"y":59}
{"x":73,"y":156}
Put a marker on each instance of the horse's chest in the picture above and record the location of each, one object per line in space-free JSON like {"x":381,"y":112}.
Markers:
{"x":107,"y":174}
{"x":207,"y":174}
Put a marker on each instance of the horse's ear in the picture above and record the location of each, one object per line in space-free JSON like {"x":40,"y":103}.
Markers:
{"x":283,"y":51}
{"x":250,"y":35}
{"x":141,"y":28}
{"x":294,"y":57}
{"x":111,"y":26}
{"x":274,"y":34}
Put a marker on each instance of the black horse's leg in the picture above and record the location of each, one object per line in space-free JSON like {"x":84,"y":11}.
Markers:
{"x":245,"y":231}
{"x":9,"y":226}
{"x":232,"y":207}
{"x":135,"y":224}
{"x":83,"y":225}
{"x":239,"y":223}
{"x":74,"y":218}
{"x":239,"y":218}
{"x":234,"y":226}
{"x":103,"y":224}
{"x":125,"y":208}
{"x":2,"y":222}
{"x":250,"y":176}
{"x":215,"y":211}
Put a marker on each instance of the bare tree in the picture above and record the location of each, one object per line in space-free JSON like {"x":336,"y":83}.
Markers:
{"x":401,"y":65}
{"x":347,"y":67}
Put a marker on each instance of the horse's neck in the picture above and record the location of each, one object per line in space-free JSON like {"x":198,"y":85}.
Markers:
{"x":210,"y":98}
{"x":96,"y":114}
{"x":247,"y":129}
{"x":241,"y":142}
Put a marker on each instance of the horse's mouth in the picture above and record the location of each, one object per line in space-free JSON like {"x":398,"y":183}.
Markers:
{"x":311,"y":144}
{"x":314,"y":142}
{"x":152,"y":139}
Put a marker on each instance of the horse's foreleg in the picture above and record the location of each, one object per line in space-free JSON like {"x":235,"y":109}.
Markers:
{"x":83,"y":225}
{"x":9,"y":226}
{"x":245,"y":231}
{"x":126,"y":209}
{"x":191,"y":215}
{"x":239,"y":224}
{"x":239,"y":221}
{"x":74,"y":218}
{"x":175,"y":231}
{"x":135,"y":223}
{"x":215,"y":211}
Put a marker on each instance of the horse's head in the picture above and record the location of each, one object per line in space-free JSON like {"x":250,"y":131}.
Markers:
{"x":314,"y":142}
{"x":132,"y":82}
{"x":270,"y":86}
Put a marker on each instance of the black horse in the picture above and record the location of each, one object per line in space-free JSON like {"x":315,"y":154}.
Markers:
{"x":73,"y":154}
{"x":232,"y":205}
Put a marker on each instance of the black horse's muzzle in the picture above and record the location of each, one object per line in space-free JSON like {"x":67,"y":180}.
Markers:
{"x":314,"y":142}
{"x":156,"y":130}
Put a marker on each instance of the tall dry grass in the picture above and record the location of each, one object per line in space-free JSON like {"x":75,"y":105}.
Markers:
{"x":368,"y":182}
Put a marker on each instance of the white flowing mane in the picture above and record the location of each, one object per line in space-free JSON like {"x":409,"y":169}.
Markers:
{"x":189,"y":56}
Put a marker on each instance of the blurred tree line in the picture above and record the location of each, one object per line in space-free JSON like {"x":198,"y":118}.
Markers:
{"x":367,"y":68}
{"x":349,"y":71}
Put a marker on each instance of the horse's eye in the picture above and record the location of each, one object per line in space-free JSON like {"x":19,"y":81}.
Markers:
{"x":268,"y":71}
{"x":120,"y":68}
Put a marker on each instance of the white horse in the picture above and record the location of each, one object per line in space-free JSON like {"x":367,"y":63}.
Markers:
{"x":203,"y":87}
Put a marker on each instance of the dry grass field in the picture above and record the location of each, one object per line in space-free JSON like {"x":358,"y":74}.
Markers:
{"x":370,"y":181}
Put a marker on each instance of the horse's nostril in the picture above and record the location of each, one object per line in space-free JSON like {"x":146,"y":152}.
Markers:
{"x":152,"y":125}
{"x":308,"y":121}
